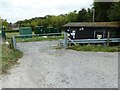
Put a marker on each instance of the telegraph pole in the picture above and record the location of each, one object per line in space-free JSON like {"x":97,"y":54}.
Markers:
{"x":93,"y":15}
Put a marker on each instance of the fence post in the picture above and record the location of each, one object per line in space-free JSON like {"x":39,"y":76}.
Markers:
{"x":14,"y":43}
{"x":108,"y":38}
{"x":65,"y":40}
{"x":3,"y":34}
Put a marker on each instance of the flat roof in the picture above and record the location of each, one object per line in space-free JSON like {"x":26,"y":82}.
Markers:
{"x":92,"y":24}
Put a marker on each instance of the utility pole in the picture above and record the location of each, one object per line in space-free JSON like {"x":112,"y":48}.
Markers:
{"x":108,"y":38}
{"x":93,"y":14}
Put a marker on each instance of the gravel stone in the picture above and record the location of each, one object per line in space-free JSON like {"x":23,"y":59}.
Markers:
{"x":43,"y":66}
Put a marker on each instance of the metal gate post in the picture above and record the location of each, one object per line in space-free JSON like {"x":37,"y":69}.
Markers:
{"x":3,"y":33}
{"x":14,"y":43}
{"x":65,"y":40}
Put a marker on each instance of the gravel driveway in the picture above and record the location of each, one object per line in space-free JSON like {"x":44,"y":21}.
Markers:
{"x":43,"y":66}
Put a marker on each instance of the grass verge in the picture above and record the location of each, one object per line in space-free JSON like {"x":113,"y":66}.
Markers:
{"x":9,"y":57}
{"x":95,"y":48}
{"x":33,"y":38}
{"x":39,"y":38}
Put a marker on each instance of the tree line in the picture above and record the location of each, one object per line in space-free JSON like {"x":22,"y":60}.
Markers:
{"x":103,"y":12}
{"x":57,"y":21}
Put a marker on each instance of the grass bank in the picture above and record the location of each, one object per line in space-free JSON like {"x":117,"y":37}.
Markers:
{"x":95,"y":48}
{"x":9,"y":58}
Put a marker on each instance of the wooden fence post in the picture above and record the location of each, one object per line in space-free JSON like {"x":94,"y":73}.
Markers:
{"x":108,"y":38}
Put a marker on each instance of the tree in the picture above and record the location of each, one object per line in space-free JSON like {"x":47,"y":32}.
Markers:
{"x":0,"y":22}
{"x":89,"y":15}
{"x":114,"y":12}
{"x":72,"y":16}
{"x":81,"y":15}
{"x":33,"y":24}
{"x":5,"y":23}
{"x":101,"y":11}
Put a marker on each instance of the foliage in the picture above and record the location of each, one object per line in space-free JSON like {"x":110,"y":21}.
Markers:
{"x":101,"y":9}
{"x":9,"y":57}
{"x":104,"y":12}
{"x":107,"y":11}
{"x":58,"y":21}
{"x":85,"y":15}
{"x":114,"y":12}
{"x":10,"y":35}
{"x":0,"y":22}
{"x":72,"y":16}
{"x":95,"y":48}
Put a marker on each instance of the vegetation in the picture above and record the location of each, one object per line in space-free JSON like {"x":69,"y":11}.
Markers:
{"x":95,"y":48}
{"x":39,"y":38}
{"x":34,"y":38}
{"x":101,"y":11}
{"x":113,"y":12}
{"x":58,"y":21}
{"x":104,"y":12}
{"x":0,"y":22}
{"x":107,"y":11}
{"x":9,"y":35}
{"x":9,"y":57}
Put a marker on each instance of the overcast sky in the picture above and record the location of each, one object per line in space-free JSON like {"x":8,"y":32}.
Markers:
{"x":14,"y":10}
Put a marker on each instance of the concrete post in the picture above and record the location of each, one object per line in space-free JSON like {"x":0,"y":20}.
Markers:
{"x":108,"y":37}
{"x":65,"y":40}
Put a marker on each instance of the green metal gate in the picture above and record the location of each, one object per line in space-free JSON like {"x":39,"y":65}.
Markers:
{"x":25,"y":31}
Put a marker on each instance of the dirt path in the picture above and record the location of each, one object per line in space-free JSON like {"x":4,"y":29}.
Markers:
{"x":42,"y":66}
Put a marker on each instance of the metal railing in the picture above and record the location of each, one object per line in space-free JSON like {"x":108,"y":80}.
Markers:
{"x":95,"y":40}
{"x":14,"y":43}
{"x":67,"y":41}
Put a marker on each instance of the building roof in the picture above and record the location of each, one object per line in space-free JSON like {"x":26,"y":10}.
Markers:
{"x":93,"y":24}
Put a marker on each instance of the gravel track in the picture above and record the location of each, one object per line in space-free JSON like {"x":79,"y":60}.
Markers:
{"x":43,"y":66}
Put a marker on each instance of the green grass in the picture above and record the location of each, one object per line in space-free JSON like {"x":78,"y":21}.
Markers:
{"x":34,"y":38}
{"x":95,"y":48}
{"x":38,"y":38}
{"x":9,"y":58}
{"x":9,"y":35}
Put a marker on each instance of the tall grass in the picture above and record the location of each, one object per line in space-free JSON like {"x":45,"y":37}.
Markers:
{"x":33,"y":38}
{"x":39,"y":38}
{"x":95,"y":48}
{"x":9,"y":35}
{"x":9,"y":57}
